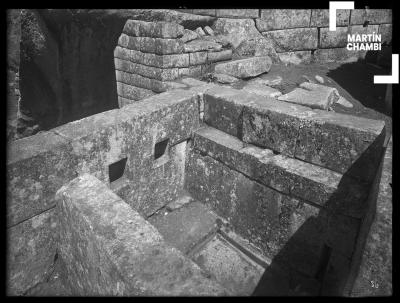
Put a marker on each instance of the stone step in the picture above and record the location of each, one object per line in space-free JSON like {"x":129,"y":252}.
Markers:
{"x":343,"y":143}
{"x":293,"y":177}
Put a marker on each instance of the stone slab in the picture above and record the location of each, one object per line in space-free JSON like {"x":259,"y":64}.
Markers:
{"x":161,"y":74}
{"x":343,"y":143}
{"x":223,"y":109}
{"x":159,"y":29}
{"x":312,"y":95}
{"x":237,"y":13}
{"x":31,"y":248}
{"x":157,"y":46}
{"x":201,"y":45}
{"x":204,"y":12}
{"x":188,"y":35}
{"x":192,"y":71}
{"x":37,"y":166}
{"x":164,"y":61}
{"x":296,"y":57}
{"x":111,"y":250}
{"x":231,"y":268}
{"x":245,"y":68}
{"x":333,"y":39}
{"x":197,"y":58}
{"x":219,"y":56}
{"x":272,"y":19}
{"x":262,"y":90}
{"x":224,"y":79}
{"x":286,"y":40}
{"x":133,"y":92}
{"x":185,"y":227}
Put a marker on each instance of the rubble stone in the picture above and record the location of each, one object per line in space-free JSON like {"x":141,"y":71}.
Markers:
{"x":245,"y":68}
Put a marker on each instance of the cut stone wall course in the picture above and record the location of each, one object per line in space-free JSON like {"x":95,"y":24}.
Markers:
{"x":272,"y":19}
{"x":293,"y":39}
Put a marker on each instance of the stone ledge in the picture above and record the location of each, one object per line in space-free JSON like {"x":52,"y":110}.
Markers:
{"x":163,"y":61}
{"x":102,"y":237}
{"x":333,"y":191}
{"x":157,"y":46}
{"x":159,"y":29}
{"x":161,"y":74}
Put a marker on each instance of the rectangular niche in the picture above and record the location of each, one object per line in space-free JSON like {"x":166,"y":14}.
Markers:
{"x":160,"y":152}
{"x":116,"y":170}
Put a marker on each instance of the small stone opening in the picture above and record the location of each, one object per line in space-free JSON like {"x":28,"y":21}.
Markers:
{"x":160,"y":148}
{"x":116,"y":170}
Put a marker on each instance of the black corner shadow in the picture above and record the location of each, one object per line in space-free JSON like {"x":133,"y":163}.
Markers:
{"x":357,"y":78}
{"x":332,"y":276}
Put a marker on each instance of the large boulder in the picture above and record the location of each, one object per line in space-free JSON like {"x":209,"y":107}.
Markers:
{"x":255,"y":47}
{"x":245,"y":39}
{"x":245,"y":68}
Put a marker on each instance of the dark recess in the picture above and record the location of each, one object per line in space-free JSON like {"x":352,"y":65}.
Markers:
{"x":160,"y":148}
{"x":116,"y":170}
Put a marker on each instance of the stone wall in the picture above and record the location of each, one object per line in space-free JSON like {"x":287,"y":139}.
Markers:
{"x":103,"y":238}
{"x":301,"y":202}
{"x":37,"y":166}
{"x":150,"y":55}
{"x":302,"y":35}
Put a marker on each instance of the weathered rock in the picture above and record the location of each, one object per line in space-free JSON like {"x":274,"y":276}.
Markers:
{"x":162,"y":74}
{"x":296,"y":57}
{"x":272,"y":19}
{"x":229,"y":101}
{"x":245,"y":68}
{"x":385,"y":30}
{"x":333,"y":39}
{"x":208,"y":30}
{"x":236,"y":30}
{"x":231,"y":267}
{"x":192,"y":71}
{"x":319,"y":79}
{"x":192,"y":82}
{"x":320,"y":17}
{"x":337,"y":55}
{"x":164,"y":61}
{"x":31,"y":250}
{"x":197,"y":58}
{"x":203,"y":11}
{"x":36,"y":167}
{"x":133,"y":92}
{"x":267,"y":79}
{"x":158,"y":29}
{"x":219,"y":56}
{"x":200,"y":32}
{"x":293,"y":39}
{"x":373,"y":16}
{"x":201,"y":45}
{"x":237,"y":13}
{"x":254,"y":47}
{"x":224,"y":79}
{"x":112,"y":250}
{"x":188,"y":35}
{"x":262,"y":90}
{"x":312,"y":95}
{"x":186,"y":226}
{"x":343,"y":102}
